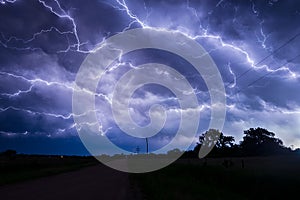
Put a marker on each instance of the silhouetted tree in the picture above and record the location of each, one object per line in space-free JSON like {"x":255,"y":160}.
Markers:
{"x":260,"y":141}
{"x":297,"y":151}
{"x":225,"y":141}
{"x":256,"y":142}
{"x":10,"y":154}
{"x":222,"y":144}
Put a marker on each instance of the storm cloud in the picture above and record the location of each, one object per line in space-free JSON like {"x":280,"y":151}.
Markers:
{"x":254,"y":44}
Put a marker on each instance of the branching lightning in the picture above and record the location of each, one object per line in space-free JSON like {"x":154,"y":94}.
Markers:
{"x":61,"y":13}
{"x":263,"y":37}
{"x":65,"y":15}
{"x":36,"y":112}
{"x":233,"y":74}
{"x":218,"y":38}
{"x":123,"y":7}
{"x":76,"y":44}
{"x":32,"y":82}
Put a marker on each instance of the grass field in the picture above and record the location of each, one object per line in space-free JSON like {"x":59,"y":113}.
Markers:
{"x":261,"y":178}
{"x":25,"y":167}
{"x":257,"y":178}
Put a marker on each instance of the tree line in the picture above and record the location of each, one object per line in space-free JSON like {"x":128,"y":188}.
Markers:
{"x":256,"y":142}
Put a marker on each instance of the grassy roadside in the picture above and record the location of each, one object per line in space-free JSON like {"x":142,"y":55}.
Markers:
{"x":24,"y":167}
{"x":262,"y":178}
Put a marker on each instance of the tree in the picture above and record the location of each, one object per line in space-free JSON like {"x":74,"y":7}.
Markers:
{"x":222,"y":144}
{"x":209,"y":138}
{"x":217,"y":138}
{"x":260,"y":141}
{"x":10,"y":154}
{"x":225,"y":141}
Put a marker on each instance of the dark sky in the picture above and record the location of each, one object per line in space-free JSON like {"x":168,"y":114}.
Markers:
{"x":43,"y":44}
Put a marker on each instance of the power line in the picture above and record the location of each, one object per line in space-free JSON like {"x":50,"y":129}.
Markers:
{"x":260,"y":78}
{"x":272,"y":53}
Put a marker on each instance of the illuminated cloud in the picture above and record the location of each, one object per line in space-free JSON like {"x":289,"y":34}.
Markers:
{"x":42,"y":48}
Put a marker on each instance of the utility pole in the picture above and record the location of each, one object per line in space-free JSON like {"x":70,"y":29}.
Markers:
{"x":147,"y":150}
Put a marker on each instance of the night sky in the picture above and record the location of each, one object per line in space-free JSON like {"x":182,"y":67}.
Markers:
{"x":254,"y":44}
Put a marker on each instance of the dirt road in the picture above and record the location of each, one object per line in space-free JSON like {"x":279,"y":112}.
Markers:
{"x":97,"y":182}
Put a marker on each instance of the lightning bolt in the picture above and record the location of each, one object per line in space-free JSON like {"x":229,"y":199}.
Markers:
{"x":8,"y":133}
{"x":27,"y":42}
{"x":234,"y":76}
{"x":36,"y":112}
{"x":64,"y":14}
{"x":59,"y":12}
{"x":122,"y":6}
{"x":135,"y":18}
{"x":192,"y":10}
{"x":63,"y":117}
{"x":32,"y":82}
{"x":9,"y":1}
{"x":64,"y":85}
{"x":77,"y":44}
{"x":206,"y":35}
{"x":263,"y":38}
{"x":254,"y":9}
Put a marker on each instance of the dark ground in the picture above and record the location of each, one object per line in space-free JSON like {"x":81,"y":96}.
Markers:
{"x":261,"y":178}
{"x":95,"y":182}
{"x":276,"y":177}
